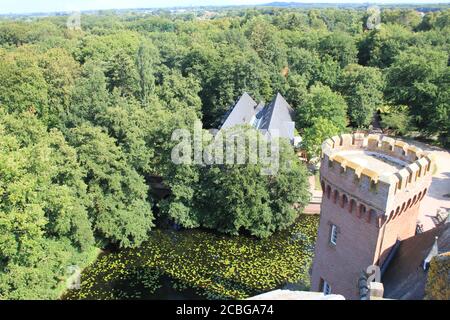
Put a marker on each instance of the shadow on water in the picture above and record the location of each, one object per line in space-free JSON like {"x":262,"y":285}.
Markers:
{"x":158,"y":287}
{"x":151,"y":284}
{"x":139,"y":284}
{"x":167,"y":292}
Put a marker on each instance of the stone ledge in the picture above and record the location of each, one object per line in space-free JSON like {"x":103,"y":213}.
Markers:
{"x":295,"y":295}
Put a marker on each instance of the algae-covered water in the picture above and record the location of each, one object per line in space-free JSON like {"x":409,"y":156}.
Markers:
{"x":198,"y":264}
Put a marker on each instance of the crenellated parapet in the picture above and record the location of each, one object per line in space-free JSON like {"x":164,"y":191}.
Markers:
{"x":376,"y":169}
{"x":373,"y":187}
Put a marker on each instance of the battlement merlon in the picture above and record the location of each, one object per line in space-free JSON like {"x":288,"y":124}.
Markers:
{"x":408,"y":166}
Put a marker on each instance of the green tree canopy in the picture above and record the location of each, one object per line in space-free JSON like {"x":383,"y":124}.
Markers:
{"x":90,"y":97}
{"x":146,"y":58}
{"x":341,"y":46}
{"x":22,"y":83}
{"x":322,"y":102}
{"x":314,"y":136}
{"x":380,"y":47}
{"x":119,"y":206}
{"x":237,"y":197}
{"x":419,"y":78}
{"x":362,"y":88}
{"x":44,"y":223}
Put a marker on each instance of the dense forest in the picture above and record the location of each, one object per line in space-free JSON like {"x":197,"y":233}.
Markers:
{"x":86,"y":118}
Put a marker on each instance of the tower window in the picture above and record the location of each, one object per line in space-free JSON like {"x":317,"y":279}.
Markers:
{"x":333,"y":234}
{"x":326,"y":289}
{"x":335,"y":196}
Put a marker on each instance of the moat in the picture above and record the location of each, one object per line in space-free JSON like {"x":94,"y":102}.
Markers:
{"x":198,"y":264}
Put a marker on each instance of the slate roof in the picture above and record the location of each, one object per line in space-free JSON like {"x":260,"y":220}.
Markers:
{"x":405,"y":277}
{"x":276,"y":118}
{"x":242,"y":112}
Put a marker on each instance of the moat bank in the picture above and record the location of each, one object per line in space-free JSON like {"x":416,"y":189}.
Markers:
{"x":192,"y":264}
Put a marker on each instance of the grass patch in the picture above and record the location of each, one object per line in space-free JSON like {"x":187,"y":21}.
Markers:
{"x":318,"y":186}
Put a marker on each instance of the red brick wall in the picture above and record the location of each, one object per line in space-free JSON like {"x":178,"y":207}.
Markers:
{"x":402,"y":226}
{"x":341,"y":265}
{"x":359,"y":243}
{"x":391,"y":209}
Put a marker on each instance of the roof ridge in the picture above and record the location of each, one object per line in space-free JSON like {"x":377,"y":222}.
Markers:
{"x":271,"y":108}
{"x":245,"y":96}
{"x":284,"y":99}
{"x":277,"y":97}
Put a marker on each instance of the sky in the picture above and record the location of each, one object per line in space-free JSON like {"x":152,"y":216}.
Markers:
{"x":28,"y":6}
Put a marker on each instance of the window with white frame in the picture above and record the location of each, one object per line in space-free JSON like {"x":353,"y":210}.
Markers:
{"x":333,"y":234}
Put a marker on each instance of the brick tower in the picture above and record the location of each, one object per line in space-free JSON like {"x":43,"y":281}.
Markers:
{"x":372,"y":189}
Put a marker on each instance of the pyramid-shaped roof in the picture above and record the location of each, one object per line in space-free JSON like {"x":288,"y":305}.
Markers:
{"x":276,"y":118}
{"x":242,"y":112}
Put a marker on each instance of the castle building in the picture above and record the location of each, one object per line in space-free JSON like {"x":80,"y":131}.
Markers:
{"x":275,"y":118}
{"x":372,"y":189}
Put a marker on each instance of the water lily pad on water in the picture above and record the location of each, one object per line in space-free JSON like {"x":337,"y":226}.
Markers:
{"x":202,"y":264}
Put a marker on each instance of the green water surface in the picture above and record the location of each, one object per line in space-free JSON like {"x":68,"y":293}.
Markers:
{"x":199,"y":264}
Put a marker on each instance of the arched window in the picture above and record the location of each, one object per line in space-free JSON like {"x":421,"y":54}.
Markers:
{"x":352,"y":205}
{"x":322,"y":184}
{"x":362,"y":210}
{"x":344,"y":201}
{"x":328,"y":192}
{"x":335,"y":196}
{"x":371,"y":213}
{"x":414,"y":200}
{"x":408,"y":204}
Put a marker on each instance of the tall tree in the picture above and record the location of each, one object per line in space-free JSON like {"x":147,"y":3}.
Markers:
{"x":380,"y":46}
{"x":419,"y":79}
{"x":90,"y":98}
{"x":22,"y":83}
{"x":119,"y":207}
{"x":121,"y":74}
{"x":340,"y":46}
{"x":145,"y":62}
{"x":322,"y":102}
{"x":60,"y":71}
{"x":44,"y":224}
{"x":296,"y":90}
{"x":362,"y":88}
{"x":179,"y":93}
{"x":314,"y":136}
{"x":235,"y":197}
{"x":264,"y":38}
